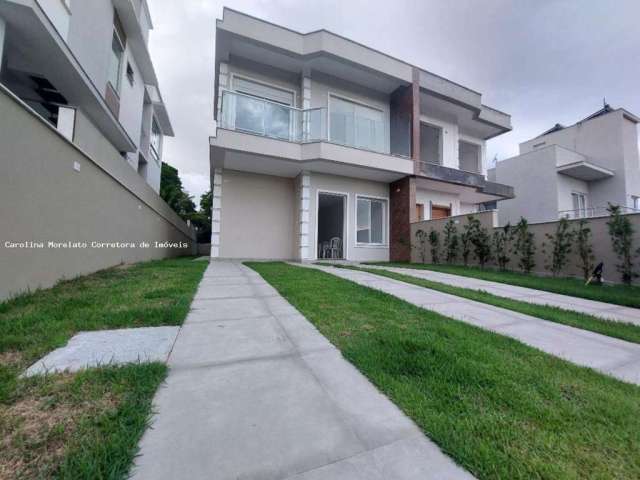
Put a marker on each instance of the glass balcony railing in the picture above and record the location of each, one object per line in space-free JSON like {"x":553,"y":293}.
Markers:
{"x":258,"y":116}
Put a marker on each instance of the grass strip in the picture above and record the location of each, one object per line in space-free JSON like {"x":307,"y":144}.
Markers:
{"x":500,"y":408}
{"x":622,"y":330}
{"x":624,"y":295}
{"x":84,"y":425}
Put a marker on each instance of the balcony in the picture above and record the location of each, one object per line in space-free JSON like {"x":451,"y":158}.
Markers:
{"x":257,"y":116}
{"x":592,"y":212}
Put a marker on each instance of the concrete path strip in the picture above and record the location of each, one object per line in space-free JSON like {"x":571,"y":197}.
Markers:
{"x":611,"y":356}
{"x":108,"y":347}
{"x":256,"y":392}
{"x":606,"y":311}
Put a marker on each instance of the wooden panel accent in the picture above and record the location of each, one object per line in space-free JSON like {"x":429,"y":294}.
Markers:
{"x":438,"y":211}
{"x":419,"y":212}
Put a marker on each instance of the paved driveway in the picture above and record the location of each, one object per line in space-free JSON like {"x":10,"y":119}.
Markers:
{"x":256,"y":392}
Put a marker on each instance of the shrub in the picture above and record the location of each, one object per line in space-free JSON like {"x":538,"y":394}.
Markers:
{"x":465,"y":243}
{"x":582,"y":235}
{"x":560,"y":243}
{"x":502,"y":245}
{"x":451,"y":240}
{"x":421,"y":235}
{"x":480,"y":240}
{"x":524,"y":247}
{"x":621,"y":233}
{"x":434,"y":242}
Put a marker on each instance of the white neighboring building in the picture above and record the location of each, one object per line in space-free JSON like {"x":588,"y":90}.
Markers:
{"x":327,"y":147}
{"x":574,"y":171}
{"x":85,"y":67}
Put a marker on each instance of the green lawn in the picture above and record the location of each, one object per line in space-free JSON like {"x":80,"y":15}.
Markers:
{"x":628,"y":296}
{"x":84,"y":425}
{"x":624,"y":331}
{"x":501,"y":409}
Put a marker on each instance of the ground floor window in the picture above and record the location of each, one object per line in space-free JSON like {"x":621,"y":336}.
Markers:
{"x":371,"y":214}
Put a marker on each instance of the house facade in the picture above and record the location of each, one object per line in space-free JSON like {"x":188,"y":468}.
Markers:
{"x":85,"y":67}
{"x":578,"y":170}
{"x":326,"y":148}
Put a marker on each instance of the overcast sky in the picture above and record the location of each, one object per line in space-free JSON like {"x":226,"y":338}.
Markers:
{"x":542,"y":61}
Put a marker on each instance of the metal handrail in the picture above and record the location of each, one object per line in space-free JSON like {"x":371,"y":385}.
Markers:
{"x":591,"y":212}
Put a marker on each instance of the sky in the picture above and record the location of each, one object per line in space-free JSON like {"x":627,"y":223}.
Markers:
{"x":542,"y":61}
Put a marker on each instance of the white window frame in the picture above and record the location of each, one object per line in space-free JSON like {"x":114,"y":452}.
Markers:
{"x":345,"y":226}
{"x":385,"y":221}
{"x":385,"y":128}
{"x":635,"y":199}
{"x":293,"y":106}
{"x":152,"y":149}
{"x":233,"y":76}
{"x":116,"y":35}
{"x":580,"y":213}
{"x":481,"y":146}
{"x":431,"y":124}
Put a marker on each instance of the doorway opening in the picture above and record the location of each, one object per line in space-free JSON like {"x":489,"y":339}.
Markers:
{"x":331,"y":228}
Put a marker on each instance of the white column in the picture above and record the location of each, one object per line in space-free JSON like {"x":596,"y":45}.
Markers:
{"x":216,"y":212}
{"x":223,"y":84}
{"x":3,"y":28}
{"x":306,"y":104}
{"x":304,"y":195}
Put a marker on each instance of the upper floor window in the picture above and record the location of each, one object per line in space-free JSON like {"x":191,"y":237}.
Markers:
{"x":430,"y":144}
{"x":356,"y":125}
{"x":579,"y":204}
{"x":118,"y":42}
{"x":264,"y":109}
{"x":156,"y":140}
{"x":469,"y":157}
{"x":636,"y":202}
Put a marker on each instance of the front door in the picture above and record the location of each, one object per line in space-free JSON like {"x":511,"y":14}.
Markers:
{"x":438,"y":211}
{"x":331,"y":226}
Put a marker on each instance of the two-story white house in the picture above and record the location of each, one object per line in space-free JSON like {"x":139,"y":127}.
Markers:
{"x":85,"y":67}
{"x":578,"y":170}
{"x":326,"y":148}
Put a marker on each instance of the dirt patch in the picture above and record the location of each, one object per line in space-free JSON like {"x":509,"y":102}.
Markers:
{"x":10,"y":358}
{"x":35,"y":430}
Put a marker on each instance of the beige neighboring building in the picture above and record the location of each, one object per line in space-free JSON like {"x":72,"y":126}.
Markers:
{"x":574,"y":171}
{"x":328,"y":148}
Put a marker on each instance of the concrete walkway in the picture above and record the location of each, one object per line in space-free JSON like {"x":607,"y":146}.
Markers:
{"x":611,"y":356}
{"x":606,"y":311}
{"x":256,"y":392}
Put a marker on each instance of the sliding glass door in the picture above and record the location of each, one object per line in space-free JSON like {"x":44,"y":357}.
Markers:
{"x":356,"y":125}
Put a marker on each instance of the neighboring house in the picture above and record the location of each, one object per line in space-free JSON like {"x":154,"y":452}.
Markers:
{"x":322,"y":138}
{"x":574,"y":171}
{"x":85,"y":67}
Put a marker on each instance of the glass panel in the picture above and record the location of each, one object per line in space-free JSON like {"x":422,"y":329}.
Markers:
{"x":249,"y":114}
{"x":377,"y":221}
{"x":156,"y":136}
{"x":369,"y":128}
{"x":277,"y":121}
{"x":342,"y":121}
{"x":469,"y":157}
{"x":363,"y":221}
{"x":430,"y":138}
{"x":115,"y":63}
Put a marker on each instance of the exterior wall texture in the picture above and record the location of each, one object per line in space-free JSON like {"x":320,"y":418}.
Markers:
{"x":601,"y":243}
{"x":257,"y":216}
{"x":403,"y":200}
{"x":50,"y":190}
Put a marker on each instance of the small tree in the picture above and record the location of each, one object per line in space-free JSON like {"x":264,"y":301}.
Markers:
{"x":434,"y":242}
{"x":480,"y":240}
{"x":582,"y":235}
{"x":524,"y":246}
{"x":451,"y":241}
{"x":621,"y":233}
{"x":465,"y":243}
{"x":421,"y":235}
{"x":502,"y":245}
{"x":560,"y":247}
